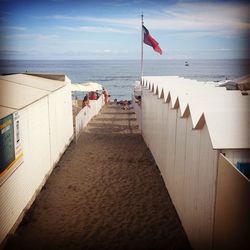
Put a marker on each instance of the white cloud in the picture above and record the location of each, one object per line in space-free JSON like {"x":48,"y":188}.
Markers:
{"x":207,"y":16}
{"x":191,"y":17}
{"x":97,"y":29}
{"x":129,"y":22}
{"x":18,"y":28}
{"x":13,"y":28}
{"x":30,"y":36}
{"x":108,"y":52}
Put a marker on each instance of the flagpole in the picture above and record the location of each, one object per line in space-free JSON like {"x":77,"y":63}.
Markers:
{"x":142,"y":37}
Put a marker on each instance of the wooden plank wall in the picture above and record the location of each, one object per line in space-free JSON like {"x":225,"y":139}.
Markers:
{"x":188,"y":165}
{"x":232,"y":216}
{"x":45,"y":134}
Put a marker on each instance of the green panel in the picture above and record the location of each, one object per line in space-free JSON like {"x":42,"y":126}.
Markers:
{"x":7,"y":147}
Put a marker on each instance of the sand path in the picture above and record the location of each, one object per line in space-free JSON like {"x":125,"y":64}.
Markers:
{"x":105,"y":193}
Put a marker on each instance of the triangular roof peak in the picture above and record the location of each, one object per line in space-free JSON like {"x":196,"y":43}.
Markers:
{"x":157,"y":91}
{"x":162,"y":94}
{"x":226,"y":114}
{"x":153,"y":87}
{"x":168,"y":98}
{"x":176,"y":104}
{"x":186,"y":112}
{"x":201,"y":122}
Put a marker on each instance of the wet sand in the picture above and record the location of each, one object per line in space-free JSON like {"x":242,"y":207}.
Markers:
{"x":105,"y":193}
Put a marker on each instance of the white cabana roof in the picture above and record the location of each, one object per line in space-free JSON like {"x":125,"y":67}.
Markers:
{"x":20,"y":90}
{"x":86,"y":87}
{"x":52,"y":76}
{"x":34,"y":81}
{"x":5,"y":111}
{"x":17,"y":96}
{"x":221,"y":110}
{"x":229,"y":128}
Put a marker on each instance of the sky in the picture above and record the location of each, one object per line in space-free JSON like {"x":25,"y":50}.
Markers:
{"x":111,"y":29}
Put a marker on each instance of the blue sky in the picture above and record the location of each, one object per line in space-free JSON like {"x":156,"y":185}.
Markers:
{"x":111,"y":29}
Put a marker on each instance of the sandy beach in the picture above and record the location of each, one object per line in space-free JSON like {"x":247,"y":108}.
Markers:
{"x":105,"y":193}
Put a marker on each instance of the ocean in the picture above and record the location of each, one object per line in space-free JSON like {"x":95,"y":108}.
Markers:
{"x":119,"y":76}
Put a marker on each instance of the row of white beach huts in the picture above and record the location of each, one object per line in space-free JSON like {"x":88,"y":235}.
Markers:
{"x":36,"y":127}
{"x":197,"y":134}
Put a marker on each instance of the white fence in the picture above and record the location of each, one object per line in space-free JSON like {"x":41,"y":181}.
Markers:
{"x":86,"y":114}
{"x":188,"y":164}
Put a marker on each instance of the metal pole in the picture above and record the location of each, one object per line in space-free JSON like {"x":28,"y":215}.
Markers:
{"x":142,"y":38}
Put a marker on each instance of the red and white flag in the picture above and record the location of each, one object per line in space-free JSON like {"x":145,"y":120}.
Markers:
{"x":149,"y":40}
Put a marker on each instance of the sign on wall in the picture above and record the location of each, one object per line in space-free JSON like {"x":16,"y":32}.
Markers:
{"x":11,"y":155}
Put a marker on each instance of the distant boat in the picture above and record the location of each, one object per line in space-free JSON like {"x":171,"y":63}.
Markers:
{"x":186,"y":64}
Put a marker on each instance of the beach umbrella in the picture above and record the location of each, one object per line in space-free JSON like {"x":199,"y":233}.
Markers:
{"x":86,"y":87}
{"x":76,"y":87}
{"x":94,"y":85}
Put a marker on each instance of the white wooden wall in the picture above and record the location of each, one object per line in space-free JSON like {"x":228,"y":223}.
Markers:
{"x":170,"y":153}
{"x":183,"y":151}
{"x":179,"y":166}
{"x":18,"y":189}
{"x":187,"y":163}
{"x":232,"y":217}
{"x":46,"y":128}
{"x":164,"y":140}
{"x":60,"y":117}
{"x":145,"y":113}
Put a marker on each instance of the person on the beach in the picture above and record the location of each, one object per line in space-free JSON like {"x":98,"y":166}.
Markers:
{"x":125,"y":105}
{"x":106,"y":95}
{"x":138,"y":100}
{"x":93,"y":95}
{"x":85,"y":101}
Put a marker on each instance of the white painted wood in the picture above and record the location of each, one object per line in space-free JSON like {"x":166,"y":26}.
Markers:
{"x":190,"y":181}
{"x":16,"y":96}
{"x":206,"y":189}
{"x":164,"y":148}
{"x":86,"y":114}
{"x":210,"y":100}
{"x":229,"y":129}
{"x":180,"y":157}
{"x":161,"y":139}
{"x":18,"y":189}
{"x":61,"y":129}
{"x":6,"y":111}
{"x":232,"y":219}
{"x":145,"y":114}
{"x":158,"y":125}
{"x":186,"y":145}
{"x":170,"y":163}
{"x":34,"y":81}
{"x":46,"y":128}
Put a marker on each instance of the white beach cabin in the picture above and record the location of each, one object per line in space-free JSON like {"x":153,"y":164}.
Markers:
{"x":197,"y":134}
{"x":36,"y":127}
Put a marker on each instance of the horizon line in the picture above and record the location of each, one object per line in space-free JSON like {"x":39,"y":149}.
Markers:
{"x":165,"y":59}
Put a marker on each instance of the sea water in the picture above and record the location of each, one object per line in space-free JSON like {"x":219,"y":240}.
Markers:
{"x":119,"y":76}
